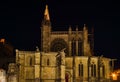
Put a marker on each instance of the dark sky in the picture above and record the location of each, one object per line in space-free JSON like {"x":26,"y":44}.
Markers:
{"x":20,"y":22}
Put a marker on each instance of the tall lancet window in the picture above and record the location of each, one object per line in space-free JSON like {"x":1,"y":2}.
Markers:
{"x":79,"y":47}
{"x":48,"y":62}
{"x":30,"y":61}
{"x":93,"y":70}
{"x":102,"y":70}
{"x":73,"y":47}
{"x":80,"y":69}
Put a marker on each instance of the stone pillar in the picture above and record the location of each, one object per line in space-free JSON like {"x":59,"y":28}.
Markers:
{"x":69,"y":40}
{"x":70,"y":48}
{"x":37,"y":66}
{"x":86,"y":45}
{"x":85,"y":40}
{"x":76,"y":41}
{"x":61,"y":66}
{"x":17,"y":55}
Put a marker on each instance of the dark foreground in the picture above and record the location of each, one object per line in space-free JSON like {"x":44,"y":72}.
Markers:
{"x":116,"y":81}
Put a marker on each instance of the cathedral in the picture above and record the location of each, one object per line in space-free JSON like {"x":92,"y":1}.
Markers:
{"x":65,"y":56}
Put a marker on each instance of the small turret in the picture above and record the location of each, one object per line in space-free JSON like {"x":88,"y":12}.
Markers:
{"x":70,"y":29}
{"x":85,"y":33}
{"x":76,"y":28}
{"x":70,"y":32}
{"x":76,"y":32}
{"x":86,"y":45}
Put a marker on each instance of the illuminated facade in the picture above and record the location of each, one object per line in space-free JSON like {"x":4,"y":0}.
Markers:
{"x":76,"y":42}
{"x":65,"y":56}
{"x":36,"y":66}
{"x":3,"y":76}
{"x":12,"y":73}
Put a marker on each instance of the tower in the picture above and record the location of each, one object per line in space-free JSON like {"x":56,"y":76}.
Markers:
{"x":52,"y":65}
{"x":77,"y":42}
{"x":45,"y":31}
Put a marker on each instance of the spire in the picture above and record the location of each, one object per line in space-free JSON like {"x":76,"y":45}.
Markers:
{"x":70,"y":29}
{"x":76,"y":28}
{"x":84,"y":27}
{"x":46,"y":13}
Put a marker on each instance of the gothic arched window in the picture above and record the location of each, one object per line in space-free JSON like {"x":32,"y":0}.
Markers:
{"x":80,"y":69}
{"x":58,"y":44}
{"x":102,"y":70}
{"x":30,"y":61}
{"x":93,"y":70}
{"x":73,"y":47}
{"x":48,"y":62}
{"x":79,"y":47}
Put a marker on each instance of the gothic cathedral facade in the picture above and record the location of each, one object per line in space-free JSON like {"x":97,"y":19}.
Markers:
{"x":78,"y":43}
{"x":65,"y":56}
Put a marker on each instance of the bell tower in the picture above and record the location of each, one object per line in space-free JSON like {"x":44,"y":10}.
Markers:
{"x":45,"y":31}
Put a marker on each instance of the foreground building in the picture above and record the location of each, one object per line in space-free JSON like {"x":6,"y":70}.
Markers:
{"x":12,"y":73}
{"x":3,"y":76}
{"x":65,"y":56}
{"x":35,"y":66}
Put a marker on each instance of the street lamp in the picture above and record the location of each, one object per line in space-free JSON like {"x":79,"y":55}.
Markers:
{"x":114,"y":76}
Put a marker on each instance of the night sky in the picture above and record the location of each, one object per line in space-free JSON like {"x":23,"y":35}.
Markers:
{"x":20,"y":22}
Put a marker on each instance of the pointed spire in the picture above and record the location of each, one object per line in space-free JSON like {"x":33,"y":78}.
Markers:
{"x":77,"y":28}
{"x":84,"y":27}
{"x":70,"y":29}
{"x":46,"y":13}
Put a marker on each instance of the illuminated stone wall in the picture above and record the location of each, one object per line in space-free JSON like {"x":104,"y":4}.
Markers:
{"x":3,"y":75}
{"x":40,"y":66}
{"x":88,"y":72}
{"x":48,"y":67}
{"x":77,"y":64}
{"x":77,"y":42}
{"x":51,"y":67}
